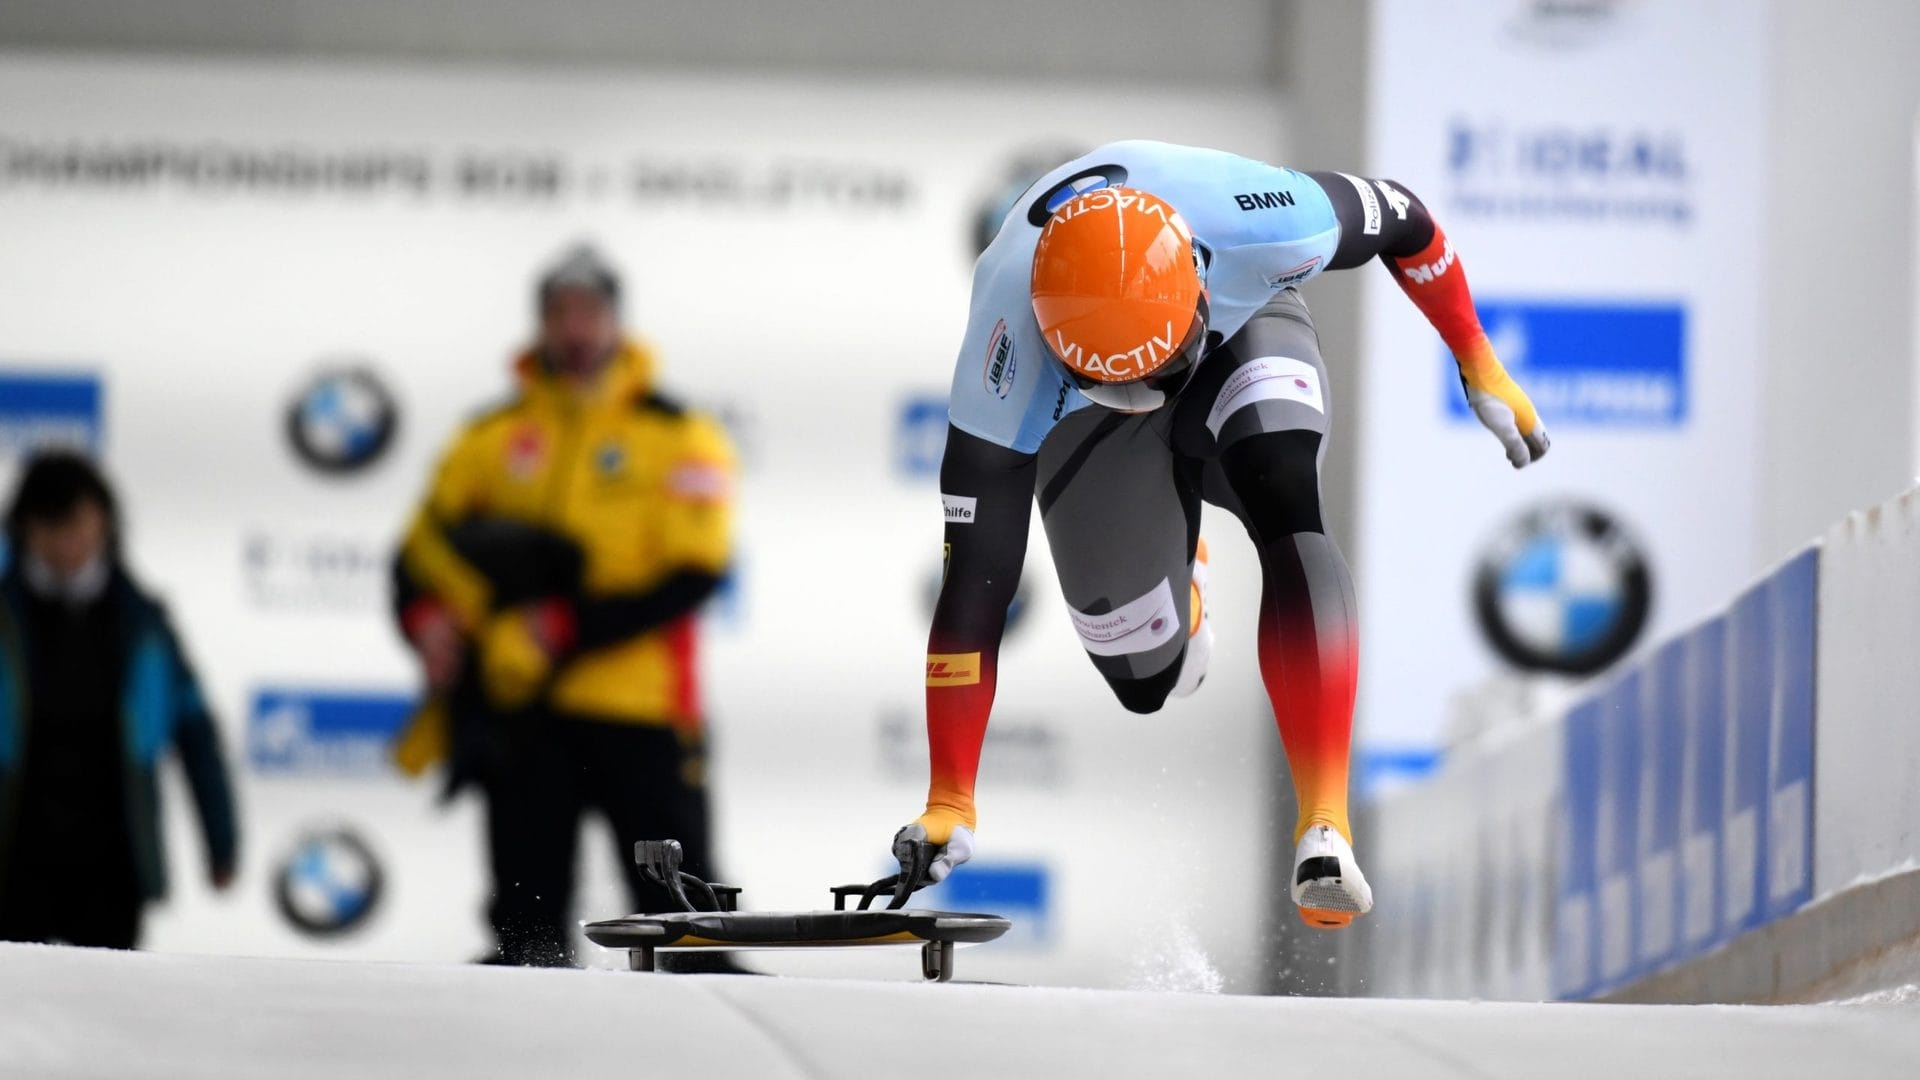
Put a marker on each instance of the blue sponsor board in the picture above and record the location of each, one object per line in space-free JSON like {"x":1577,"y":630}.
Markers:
{"x":1705,"y":806}
{"x":1749,"y":733}
{"x":1617,"y":839}
{"x":1688,"y":787}
{"x":1601,"y":364}
{"x":1021,"y":892}
{"x":920,"y":436}
{"x":1663,"y":758}
{"x":1793,"y":593}
{"x":48,"y":409}
{"x":324,"y":732}
{"x":1576,"y":907}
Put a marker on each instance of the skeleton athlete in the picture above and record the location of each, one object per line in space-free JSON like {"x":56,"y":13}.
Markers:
{"x":1137,"y":346}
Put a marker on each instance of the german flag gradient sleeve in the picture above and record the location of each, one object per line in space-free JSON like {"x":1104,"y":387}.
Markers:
{"x":987,"y":496}
{"x":1382,"y":218}
{"x":1437,"y":284}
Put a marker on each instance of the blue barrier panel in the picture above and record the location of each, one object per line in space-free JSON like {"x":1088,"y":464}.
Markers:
{"x":1663,"y":757}
{"x":1575,"y":907}
{"x":1794,"y":594}
{"x":1704,"y":801}
{"x":1618,"y":841}
{"x":1688,"y":788}
{"x":1749,"y":739}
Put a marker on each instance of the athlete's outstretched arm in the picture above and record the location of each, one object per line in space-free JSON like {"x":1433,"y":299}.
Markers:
{"x":1381,"y":218}
{"x":988,"y":495}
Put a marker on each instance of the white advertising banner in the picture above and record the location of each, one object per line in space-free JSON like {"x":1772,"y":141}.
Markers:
{"x":235,"y":277}
{"x":1597,"y":167}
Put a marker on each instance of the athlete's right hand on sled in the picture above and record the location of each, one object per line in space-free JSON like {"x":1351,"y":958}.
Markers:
{"x":948,"y":835}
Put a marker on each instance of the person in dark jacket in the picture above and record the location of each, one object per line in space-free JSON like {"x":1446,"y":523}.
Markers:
{"x":94,"y":690}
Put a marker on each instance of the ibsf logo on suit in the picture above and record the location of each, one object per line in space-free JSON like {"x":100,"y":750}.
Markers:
{"x":1002,"y":362}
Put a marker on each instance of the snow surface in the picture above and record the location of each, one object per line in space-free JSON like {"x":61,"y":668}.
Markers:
{"x":1892,"y":995}
{"x":85,"y":1013}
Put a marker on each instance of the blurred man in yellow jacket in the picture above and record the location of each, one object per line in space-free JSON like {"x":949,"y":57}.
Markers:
{"x":549,"y":584}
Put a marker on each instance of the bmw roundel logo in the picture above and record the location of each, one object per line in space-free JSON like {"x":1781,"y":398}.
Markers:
{"x":329,"y":883}
{"x":343,"y":420}
{"x":1093,"y":179}
{"x":1563,"y":587}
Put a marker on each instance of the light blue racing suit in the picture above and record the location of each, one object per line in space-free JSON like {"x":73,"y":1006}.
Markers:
{"x":1263,"y":229}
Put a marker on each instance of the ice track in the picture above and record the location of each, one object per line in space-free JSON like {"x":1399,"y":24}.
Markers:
{"x":84,"y":1013}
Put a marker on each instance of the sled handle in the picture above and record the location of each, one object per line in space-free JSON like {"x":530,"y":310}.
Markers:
{"x":915,"y":857}
{"x":659,"y":862}
{"x":872,"y":891}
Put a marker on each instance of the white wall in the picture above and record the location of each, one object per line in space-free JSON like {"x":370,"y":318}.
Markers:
{"x":1837,"y":362}
{"x":1867,"y":758}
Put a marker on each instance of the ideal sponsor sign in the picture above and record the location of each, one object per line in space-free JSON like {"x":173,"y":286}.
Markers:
{"x":1622,"y":298}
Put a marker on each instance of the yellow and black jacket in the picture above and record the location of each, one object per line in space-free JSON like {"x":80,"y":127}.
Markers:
{"x":631,"y":489}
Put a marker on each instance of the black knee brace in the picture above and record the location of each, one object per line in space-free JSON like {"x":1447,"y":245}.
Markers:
{"x":1148,"y":694}
{"x":1276,"y":477}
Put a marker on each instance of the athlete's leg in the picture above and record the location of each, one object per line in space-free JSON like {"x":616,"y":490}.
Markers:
{"x":1122,"y":522}
{"x":1309,"y":653}
{"x":1258,"y":414}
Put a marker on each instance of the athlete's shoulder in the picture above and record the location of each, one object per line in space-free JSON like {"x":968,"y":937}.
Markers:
{"x":693,"y":430}
{"x":1147,"y":161}
{"x":493,"y":412}
{"x":1147,"y":152}
{"x":490,"y":418}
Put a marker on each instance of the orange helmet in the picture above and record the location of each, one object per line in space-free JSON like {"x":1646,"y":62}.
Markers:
{"x":1119,"y":289}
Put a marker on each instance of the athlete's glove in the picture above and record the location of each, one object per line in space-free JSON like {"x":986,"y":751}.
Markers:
{"x":1503,"y":408}
{"x":948,"y":832}
{"x":518,"y":650}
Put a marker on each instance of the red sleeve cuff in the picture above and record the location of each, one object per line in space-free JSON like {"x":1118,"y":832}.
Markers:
{"x":417,"y":615}
{"x":556,"y":624}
